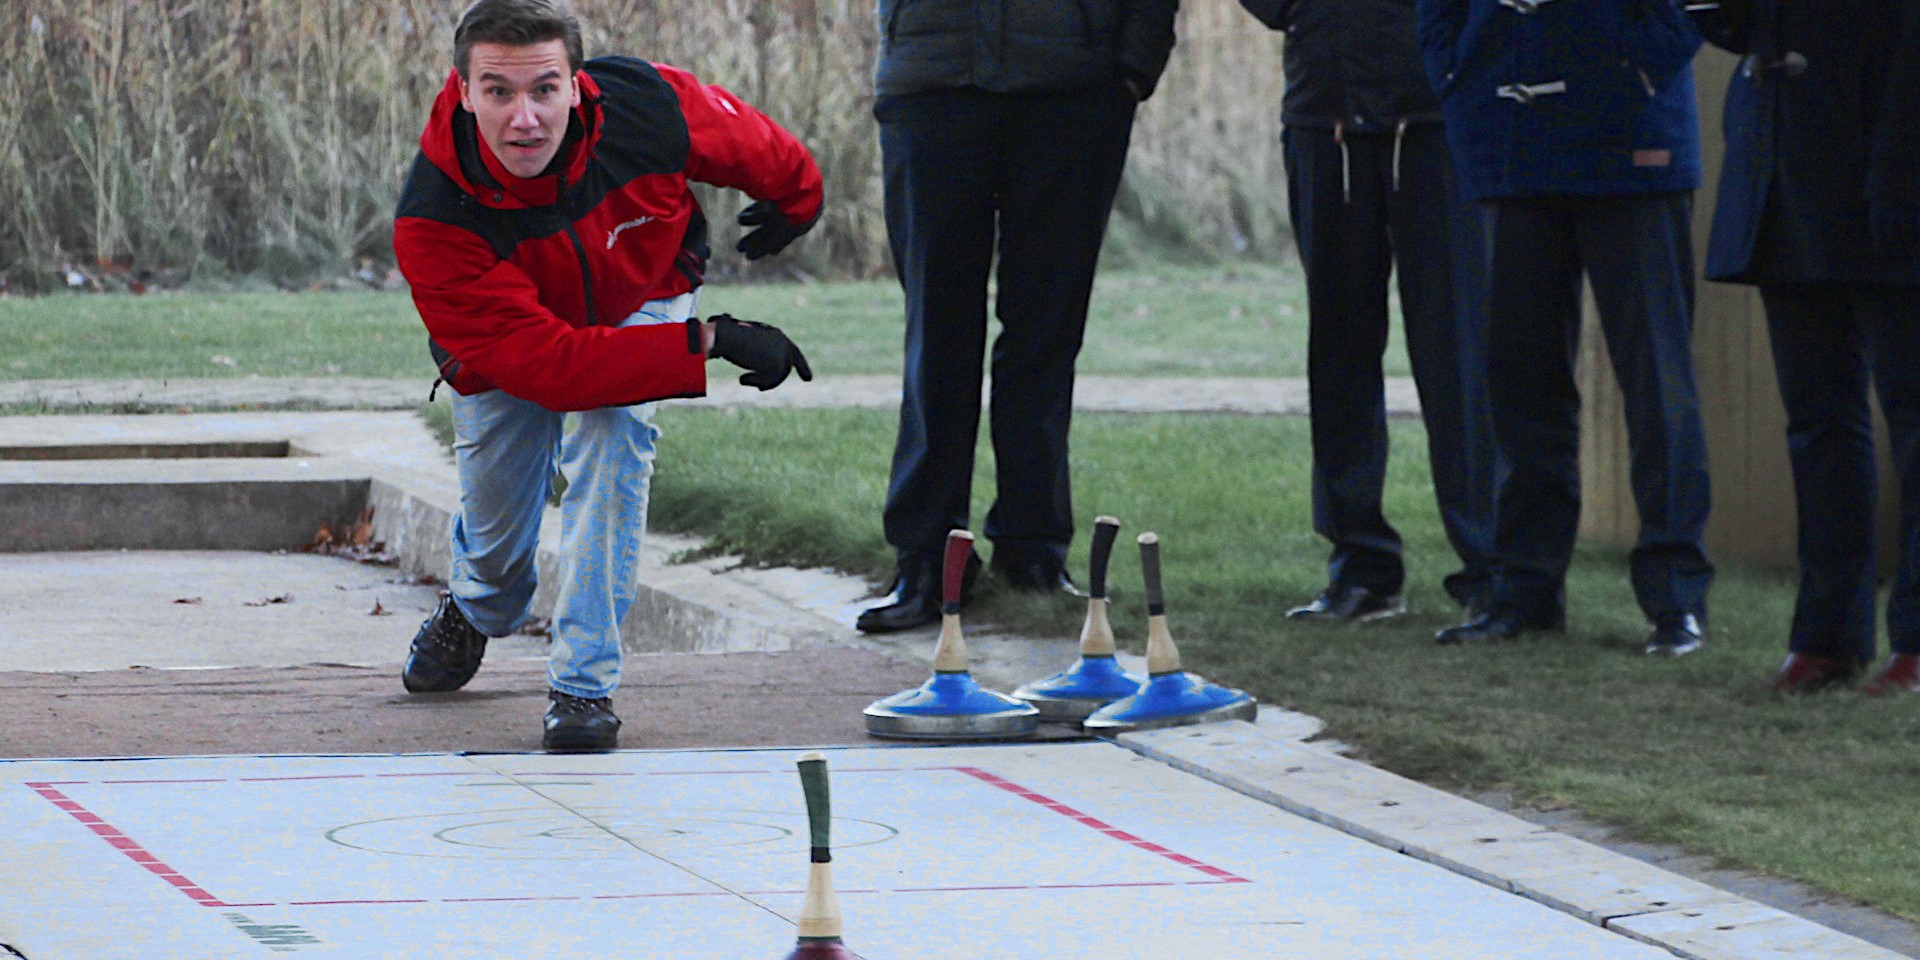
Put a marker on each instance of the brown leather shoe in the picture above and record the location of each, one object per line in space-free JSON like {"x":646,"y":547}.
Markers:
{"x":1900,"y":675}
{"x":1808,"y":672}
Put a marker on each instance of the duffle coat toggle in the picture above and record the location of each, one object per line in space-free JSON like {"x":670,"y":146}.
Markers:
{"x":1523,"y":7}
{"x":1524,"y":93}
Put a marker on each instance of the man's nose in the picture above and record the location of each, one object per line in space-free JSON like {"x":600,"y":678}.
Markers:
{"x":523,"y":115}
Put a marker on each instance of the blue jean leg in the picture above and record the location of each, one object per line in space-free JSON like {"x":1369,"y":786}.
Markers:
{"x":506,"y":448}
{"x":509,"y":450}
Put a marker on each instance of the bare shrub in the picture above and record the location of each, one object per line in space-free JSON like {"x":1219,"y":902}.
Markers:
{"x":270,"y":137}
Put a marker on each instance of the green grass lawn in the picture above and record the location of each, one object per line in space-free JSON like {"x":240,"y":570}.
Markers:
{"x":1695,"y":752}
{"x":1246,"y":321}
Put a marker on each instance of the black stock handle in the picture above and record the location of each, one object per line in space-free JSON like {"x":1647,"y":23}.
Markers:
{"x":1150,"y":572}
{"x":1105,"y":531}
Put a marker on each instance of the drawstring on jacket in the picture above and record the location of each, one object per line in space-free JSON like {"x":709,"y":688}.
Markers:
{"x":1399,"y":134}
{"x":1346,"y":163}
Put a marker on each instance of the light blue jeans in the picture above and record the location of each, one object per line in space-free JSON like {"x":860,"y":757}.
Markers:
{"x":508,"y":450}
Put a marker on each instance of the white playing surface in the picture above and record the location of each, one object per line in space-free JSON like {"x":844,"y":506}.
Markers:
{"x":1079,"y":849}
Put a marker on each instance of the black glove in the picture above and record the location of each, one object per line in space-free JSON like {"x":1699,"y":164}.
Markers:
{"x":1895,"y":225}
{"x":761,"y":348}
{"x":773,"y":231}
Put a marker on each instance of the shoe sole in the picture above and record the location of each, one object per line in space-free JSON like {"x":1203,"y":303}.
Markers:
{"x":566,"y":745}
{"x":1671,"y":651}
{"x":1315,"y":616}
{"x":893,"y":628}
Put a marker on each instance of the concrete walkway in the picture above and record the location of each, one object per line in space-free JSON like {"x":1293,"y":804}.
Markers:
{"x":785,"y":633}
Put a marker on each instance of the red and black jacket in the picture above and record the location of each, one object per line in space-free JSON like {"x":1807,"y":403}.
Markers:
{"x":520,"y":282}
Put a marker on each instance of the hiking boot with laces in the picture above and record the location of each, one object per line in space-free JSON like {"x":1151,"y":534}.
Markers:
{"x":445,"y":653}
{"x":579,"y":724}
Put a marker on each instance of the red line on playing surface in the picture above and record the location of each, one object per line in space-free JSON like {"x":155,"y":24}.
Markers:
{"x":315,"y":776}
{"x":125,"y":844}
{"x":1096,"y":823}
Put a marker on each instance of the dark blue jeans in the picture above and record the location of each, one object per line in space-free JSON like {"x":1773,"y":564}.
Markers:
{"x":1829,"y":340}
{"x":1636,"y":253}
{"x":1383,"y":208}
{"x":1028,"y":180}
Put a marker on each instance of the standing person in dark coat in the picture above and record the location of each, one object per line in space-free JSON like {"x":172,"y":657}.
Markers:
{"x":1004,"y":125}
{"x":1575,"y":121}
{"x":1371,"y":191}
{"x":1805,"y":111}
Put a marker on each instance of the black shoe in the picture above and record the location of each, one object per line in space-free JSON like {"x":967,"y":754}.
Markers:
{"x":1036,"y":577}
{"x":1498,"y":627}
{"x":579,"y":725}
{"x":445,"y":653}
{"x":914,"y":598}
{"x":1352,"y":604}
{"x":1676,"y":636}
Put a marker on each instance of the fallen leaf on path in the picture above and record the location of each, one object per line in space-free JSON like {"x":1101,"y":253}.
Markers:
{"x":186,"y":600}
{"x":378,"y":610}
{"x":269,"y":601}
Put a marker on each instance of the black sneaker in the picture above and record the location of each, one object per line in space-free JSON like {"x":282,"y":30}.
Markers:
{"x":445,"y":653}
{"x":1676,"y":636}
{"x":579,"y":725}
{"x":1350,"y":604}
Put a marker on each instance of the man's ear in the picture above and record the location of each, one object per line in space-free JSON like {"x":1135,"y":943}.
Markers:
{"x":466,"y":97}
{"x":575,"y":102}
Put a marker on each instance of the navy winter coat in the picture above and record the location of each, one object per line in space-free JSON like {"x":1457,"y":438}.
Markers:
{"x":1896,"y":153}
{"x":1555,"y":97}
{"x":1022,"y":46}
{"x":1803,"y":114}
{"x":1354,"y":63}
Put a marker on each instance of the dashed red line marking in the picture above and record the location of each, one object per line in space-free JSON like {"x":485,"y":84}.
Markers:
{"x":314,"y":776}
{"x":124,"y":843}
{"x":342,"y":903}
{"x":183,"y":780}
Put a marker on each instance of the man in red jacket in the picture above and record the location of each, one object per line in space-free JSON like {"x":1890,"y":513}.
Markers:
{"x":555,"y":252}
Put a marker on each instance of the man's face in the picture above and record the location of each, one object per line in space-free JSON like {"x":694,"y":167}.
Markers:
{"x":521,"y":98}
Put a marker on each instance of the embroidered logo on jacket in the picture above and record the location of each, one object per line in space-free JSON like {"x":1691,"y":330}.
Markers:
{"x":614,"y":234}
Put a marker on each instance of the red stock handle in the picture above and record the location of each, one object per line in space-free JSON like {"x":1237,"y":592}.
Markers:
{"x":954,"y":573}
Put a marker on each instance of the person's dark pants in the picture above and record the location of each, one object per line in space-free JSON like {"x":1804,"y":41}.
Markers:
{"x":1636,"y":254}
{"x":1390,"y":206}
{"x":1031,"y":178}
{"x":1829,"y":340}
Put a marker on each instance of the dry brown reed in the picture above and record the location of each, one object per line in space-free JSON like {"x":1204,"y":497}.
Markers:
{"x":269,"y":137}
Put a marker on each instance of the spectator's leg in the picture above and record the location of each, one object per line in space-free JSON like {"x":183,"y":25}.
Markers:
{"x":1337,"y":195}
{"x":938,"y":155}
{"x":1893,"y":316}
{"x":1533,"y":333}
{"x":1639,"y":256}
{"x":1056,"y":174}
{"x":1438,"y":248}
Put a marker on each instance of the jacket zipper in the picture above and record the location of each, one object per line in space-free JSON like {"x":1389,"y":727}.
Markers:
{"x":580,"y":252}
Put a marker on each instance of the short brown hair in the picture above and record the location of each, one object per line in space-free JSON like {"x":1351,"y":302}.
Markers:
{"x":516,"y":23}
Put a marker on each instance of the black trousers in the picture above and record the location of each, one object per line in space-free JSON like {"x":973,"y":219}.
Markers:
{"x":1636,"y":253}
{"x":1364,"y":209}
{"x":1017,"y":186}
{"x":1829,"y":341}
